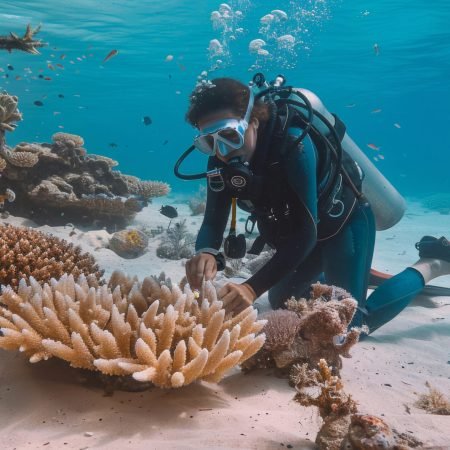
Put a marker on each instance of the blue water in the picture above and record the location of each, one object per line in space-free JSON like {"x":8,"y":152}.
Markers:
{"x":408,"y":80}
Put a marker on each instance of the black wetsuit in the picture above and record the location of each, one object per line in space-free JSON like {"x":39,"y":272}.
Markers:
{"x":313,"y":246}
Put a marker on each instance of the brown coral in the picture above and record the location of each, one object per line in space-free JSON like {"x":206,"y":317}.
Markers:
{"x":19,"y":159}
{"x":25,"y":252}
{"x":67,"y":139}
{"x":309,"y":337}
{"x":151,"y":331}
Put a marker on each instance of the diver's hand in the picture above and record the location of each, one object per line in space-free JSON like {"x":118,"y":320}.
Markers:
{"x":199,"y":267}
{"x":236,"y":297}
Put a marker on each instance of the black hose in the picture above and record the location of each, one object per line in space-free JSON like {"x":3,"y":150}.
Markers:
{"x":178,"y":164}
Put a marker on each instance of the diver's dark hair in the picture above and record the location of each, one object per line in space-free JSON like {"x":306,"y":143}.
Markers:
{"x":224,"y":93}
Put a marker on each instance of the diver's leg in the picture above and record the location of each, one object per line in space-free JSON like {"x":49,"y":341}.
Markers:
{"x":395,"y":294}
{"x":297,"y":282}
{"x":347,"y":257}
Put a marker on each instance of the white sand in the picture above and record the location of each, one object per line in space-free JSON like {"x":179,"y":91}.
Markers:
{"x":43,"y":406}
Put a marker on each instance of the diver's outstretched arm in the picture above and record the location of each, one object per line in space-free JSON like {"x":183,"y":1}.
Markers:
{"x":26,"y":43}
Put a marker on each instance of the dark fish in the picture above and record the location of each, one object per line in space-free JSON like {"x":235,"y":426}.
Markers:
{"x":112,"y":144}
{"x":40,"y":75}
{"x":147,"y":120}
{"x":165,"y":142}
{"x":169,"y":211}
{"x":110,"y":55}
{"x":38,"y":103}
{"x":61,"y":95}
{"x":10,"y":67}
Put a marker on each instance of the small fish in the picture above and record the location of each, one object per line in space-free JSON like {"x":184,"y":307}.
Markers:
{"x":397,"y":125}
{"x":110,"y":55}
{"x":169,"y":211}
{"x":59,"y":65}
{"x":147,"y":120}
{"x":55,"y":113}
{"x":61,"y":95}
{"x":351,"y":105}
{"x":79,"y":59}
{"x":38,"y":103}
{"x":182,"y":67}
{"x":62,"y":56}
{"x":47,"y":78}
{"x":40,"y":75}
{"x":10,"y":67}
{"x":373,"y":147}
{"x":165,"y":142}
{"x":375,"y":111}
{"x":376,"y":49}
{"x":18,"y":77}
{"x":50,"y":67}
{"x":381,"y":156}
{"x":112,"y":145}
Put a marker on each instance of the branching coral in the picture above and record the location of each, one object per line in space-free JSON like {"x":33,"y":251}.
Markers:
{"x":148,"y":330}
{"x":25,"y":252}
{"x":9,"y":113}
{"x":146,"y":189}
{"x":26,"y":43}
{"x":177,"y":242}
{"x":434,"y":402}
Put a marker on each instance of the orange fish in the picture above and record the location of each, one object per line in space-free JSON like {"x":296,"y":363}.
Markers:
{"x":373,"y":147}
{"x":110,"y":55}
{"x":47,"y":78}
{"x":18,"y":77}
{"x":50,"y":67}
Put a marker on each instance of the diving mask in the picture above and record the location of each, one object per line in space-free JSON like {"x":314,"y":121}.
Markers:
{"x":224,"y":136}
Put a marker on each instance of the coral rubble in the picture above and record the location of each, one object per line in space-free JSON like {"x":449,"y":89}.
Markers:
{"x":25,"y":252}
{"x":60,"y":182}
{"x":150,"y":330}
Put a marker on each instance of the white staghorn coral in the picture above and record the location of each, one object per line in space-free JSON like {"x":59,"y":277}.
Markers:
{"x":150,"y":330}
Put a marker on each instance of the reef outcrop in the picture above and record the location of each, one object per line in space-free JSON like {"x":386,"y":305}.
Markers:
{"x":60,"y":182}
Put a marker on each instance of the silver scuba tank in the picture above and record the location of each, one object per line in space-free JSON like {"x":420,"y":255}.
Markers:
{"x":387,"y":204}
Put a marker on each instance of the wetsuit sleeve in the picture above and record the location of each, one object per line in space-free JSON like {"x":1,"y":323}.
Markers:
{"x":300,"y":166}
{"x":218,"y":205}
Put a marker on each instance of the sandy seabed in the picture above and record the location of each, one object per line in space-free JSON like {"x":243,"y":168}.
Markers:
{"x":46,"y":406}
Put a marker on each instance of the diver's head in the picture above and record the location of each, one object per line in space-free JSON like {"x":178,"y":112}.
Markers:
{"x":228,"y":119}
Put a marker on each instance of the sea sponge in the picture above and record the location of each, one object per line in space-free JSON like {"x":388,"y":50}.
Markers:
{"x":9,"y":112}
{"x":129,"y":243}
{"x":151,"y":331}
{"x":25,"y":252}
{"x":67,"y":139}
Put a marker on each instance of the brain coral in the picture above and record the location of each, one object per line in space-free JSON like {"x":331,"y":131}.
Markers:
{"x":26,"y":252}
{"x":150,"y":330}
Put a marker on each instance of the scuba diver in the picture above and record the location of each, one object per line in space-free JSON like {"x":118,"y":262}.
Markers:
{"x":276,"y":152}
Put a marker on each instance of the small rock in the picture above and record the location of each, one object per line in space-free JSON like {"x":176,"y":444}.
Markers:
{"x":129,"y":243}
{"x":88,"y":434}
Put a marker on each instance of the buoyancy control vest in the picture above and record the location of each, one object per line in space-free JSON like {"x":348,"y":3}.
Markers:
{"x":274,"y":207}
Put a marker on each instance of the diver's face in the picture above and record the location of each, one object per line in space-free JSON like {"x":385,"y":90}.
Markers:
{"x":250,"y":136}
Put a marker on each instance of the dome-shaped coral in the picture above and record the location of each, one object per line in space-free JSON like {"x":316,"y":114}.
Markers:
{"x":25,"y":252}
